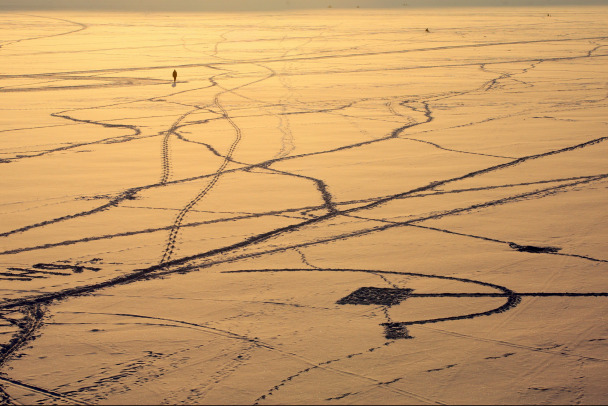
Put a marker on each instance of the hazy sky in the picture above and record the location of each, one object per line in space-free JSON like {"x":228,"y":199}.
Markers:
{"x":249,"y":5}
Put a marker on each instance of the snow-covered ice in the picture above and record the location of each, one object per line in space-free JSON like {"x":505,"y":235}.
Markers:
{"x":327,"y":207}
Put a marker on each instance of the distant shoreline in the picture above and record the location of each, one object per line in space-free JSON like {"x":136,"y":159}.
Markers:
{"x":276,"y":5}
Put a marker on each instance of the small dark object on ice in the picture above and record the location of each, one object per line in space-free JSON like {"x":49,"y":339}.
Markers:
{"x":376,"y":296}
{"x":532,"y":248}
{"x":174,"y":75}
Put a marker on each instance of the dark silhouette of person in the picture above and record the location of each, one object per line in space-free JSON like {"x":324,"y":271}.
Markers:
{"x":427,"y":30}
{"x":174,"y":75}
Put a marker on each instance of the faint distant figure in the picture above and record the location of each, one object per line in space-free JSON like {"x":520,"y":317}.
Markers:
{"x":174,"y":75}
{"x":427,"y":30}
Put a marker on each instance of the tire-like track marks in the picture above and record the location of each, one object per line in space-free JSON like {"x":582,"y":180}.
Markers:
{"x":80,"y":25}
{"x":182,"y":214}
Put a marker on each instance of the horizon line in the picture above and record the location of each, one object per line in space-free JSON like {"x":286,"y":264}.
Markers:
{"x":275,"y":5}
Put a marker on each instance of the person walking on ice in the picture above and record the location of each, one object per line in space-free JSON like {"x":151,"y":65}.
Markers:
{"x":174,"y":75}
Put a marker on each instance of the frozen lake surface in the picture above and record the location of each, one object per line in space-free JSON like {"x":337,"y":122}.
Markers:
{"x":326,"y":207}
